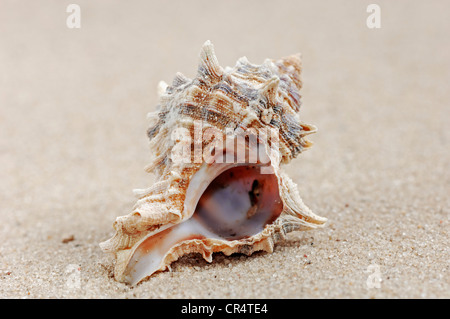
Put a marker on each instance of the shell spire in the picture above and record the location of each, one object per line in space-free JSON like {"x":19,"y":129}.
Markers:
{"x":179,"y":79}
{"x":209,"y":69}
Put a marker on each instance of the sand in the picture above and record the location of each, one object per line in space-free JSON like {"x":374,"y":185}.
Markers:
{"x":73,"y":145}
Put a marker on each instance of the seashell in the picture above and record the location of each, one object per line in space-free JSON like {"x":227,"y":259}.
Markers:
{"x":218,"y":141}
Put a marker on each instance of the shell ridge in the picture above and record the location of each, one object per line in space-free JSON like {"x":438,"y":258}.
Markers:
{"x":209,"y":69}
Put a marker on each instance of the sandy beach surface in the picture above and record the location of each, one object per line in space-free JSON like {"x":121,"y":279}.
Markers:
{"x":73,"y":145}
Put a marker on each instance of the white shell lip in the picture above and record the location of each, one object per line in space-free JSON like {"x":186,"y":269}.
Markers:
{"x":147,"y":260}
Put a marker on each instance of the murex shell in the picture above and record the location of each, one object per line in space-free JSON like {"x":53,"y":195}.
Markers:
{"x":218,"y":141}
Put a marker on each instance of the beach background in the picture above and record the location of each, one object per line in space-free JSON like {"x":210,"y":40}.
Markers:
{"x":73,"y":144}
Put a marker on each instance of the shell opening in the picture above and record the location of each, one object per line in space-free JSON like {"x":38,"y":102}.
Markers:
{"x":239,"y":203}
